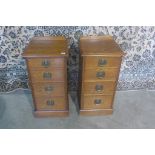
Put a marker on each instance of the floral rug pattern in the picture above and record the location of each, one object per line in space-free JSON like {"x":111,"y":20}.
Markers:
{"x":138,"y":65}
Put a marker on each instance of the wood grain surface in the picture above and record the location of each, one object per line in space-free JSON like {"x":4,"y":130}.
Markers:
{"x":100,"y":65}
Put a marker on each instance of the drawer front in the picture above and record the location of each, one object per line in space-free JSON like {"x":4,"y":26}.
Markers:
{"x":101,"y":74}
{"x":52,"y":89}
{"x":99,"y":87}
{"x":50,"y":103}
{"x":97,"y":102}
{"x":99,"y":61}
{"x":48,"y":75}
{"x":46,"y":63}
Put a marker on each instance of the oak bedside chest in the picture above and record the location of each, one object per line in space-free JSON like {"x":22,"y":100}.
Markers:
{"x":100,"y":64}
{"x":46,"y":59}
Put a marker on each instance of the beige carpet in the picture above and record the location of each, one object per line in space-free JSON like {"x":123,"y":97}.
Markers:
{"x":132,"y":109}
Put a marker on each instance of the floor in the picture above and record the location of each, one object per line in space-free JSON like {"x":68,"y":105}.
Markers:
{"x":132,"y":109}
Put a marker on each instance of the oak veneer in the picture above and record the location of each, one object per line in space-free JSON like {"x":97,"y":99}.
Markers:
{"x":100,"y":62}
{"x":46,"y":59}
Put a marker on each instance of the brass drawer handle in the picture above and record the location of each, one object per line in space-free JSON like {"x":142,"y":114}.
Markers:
{"x":97,"y":101}
{"x":50,"y":102}
{"x":100,"y":74}
{"x":102,"y":62}
{"x":99,"y":88}
{"x":47,"y":75}
{"x":45,"y":63}
{"x":48,"y":88}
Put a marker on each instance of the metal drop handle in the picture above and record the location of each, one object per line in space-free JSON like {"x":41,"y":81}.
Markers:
{"x":47,"y":75}
{"x":46,"y":63}
{"x":102,"y":62}
{"x":50,"y":102}
{"x":100,"y":74}
{"x":99,"y":88}
{"x":48,"y":88}
{"x":97,"y":101}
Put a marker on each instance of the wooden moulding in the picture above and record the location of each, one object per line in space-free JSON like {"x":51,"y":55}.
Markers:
{"x":63,"y":113}
{"x":96,"y":112}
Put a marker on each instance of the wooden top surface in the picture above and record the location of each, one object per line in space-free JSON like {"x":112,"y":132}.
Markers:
{"x":99,"y":45}
{"x":46,"y":47}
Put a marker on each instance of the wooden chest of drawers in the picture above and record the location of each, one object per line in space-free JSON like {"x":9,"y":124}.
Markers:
{"x":99,"y":68}
{"x":46,"y":59}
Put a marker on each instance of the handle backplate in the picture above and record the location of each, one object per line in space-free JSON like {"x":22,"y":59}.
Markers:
{"x":100,"y":74}
{"x":50,"y":102}
{"x":46,"y":63}
{"x":98,"y":101}
{"x":99,"y":88}
{"x":102,"y":62}
{"x":47,"y":75}
{"x":48,"y":88}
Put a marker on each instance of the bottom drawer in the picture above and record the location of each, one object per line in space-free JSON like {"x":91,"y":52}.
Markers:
{"x":52,"y":103}
{"x":97,"y":102}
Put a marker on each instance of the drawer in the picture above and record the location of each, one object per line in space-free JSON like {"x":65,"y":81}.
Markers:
{"x":100,"y":74}
{"x":101,"y":62}
{"x":52,"y":89}
{"x":46,"y":63}
{"x":50,"y":103}
{"x":99,"y":87}
{"x":48,"y":75}
{"x":97,"y":102}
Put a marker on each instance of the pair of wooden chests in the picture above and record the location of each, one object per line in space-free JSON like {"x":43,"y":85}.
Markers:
{"x":100,"y":60}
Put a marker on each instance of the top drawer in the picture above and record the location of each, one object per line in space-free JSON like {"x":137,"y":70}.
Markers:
{"x":46,"y":62}
{"x":101,"y":61}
